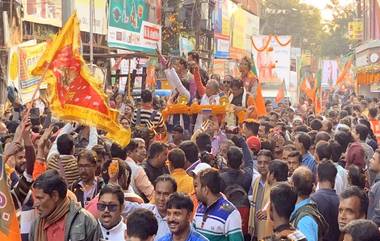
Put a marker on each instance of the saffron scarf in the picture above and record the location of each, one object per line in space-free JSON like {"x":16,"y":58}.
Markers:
{"x":57,"y":214}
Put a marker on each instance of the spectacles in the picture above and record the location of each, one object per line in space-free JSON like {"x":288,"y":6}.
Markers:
{"x":111,"y":207}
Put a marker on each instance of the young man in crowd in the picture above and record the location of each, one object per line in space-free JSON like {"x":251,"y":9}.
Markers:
{"x":179,"y":217}
{"x":155,"y":165}
{"x":238,"y":171}
{"x":303,"y":144}
{"x":294,"y":160}
{"x":110,"y":207}
{"x":141,"y":226}
{"x":306,"y":216}
{"x":283,"y":199}
{"x":177,"y":159}
{"x":326,"y":198}
{"x":216,"y":218}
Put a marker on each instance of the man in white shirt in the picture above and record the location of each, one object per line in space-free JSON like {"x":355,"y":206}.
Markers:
{"x":110,"y":207}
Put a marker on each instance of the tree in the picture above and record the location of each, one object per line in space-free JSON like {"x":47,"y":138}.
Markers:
{"x":291,"y":17}
{"x":335,"y":40}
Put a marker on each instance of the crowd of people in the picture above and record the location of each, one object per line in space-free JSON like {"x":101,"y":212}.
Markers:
{"x":290,"y":174}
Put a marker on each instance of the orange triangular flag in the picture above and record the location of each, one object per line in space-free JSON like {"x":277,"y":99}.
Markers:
{"x":280,"y":94}
{"x":260,"y":102}
{"x":344,"y":72}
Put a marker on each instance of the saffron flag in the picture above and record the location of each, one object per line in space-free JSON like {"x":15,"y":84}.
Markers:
{"x":344,"y":72}
{"x":259,"y":100}
{"x":281,"y":93}
{"x":73,"y":93}
{"x":9,"y":226}
{"x":307,"y":89}
{"x":318,"y":93}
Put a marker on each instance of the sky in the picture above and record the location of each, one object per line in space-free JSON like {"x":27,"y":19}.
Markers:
{"x":321,"y":4}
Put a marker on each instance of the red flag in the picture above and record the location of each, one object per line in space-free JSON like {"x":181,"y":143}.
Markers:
{"x":9,"y":226}
{"x":280,"y":94}
{"x":74,"y":94}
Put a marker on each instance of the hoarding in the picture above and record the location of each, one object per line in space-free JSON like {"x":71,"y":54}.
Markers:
{"x":43,"y":11}
{"x":128,"y":26}
{"x":100,"y":15}
{"x":272,"y":57}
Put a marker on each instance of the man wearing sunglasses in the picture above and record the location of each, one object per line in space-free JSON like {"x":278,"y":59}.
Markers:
{"x":110,"y":206}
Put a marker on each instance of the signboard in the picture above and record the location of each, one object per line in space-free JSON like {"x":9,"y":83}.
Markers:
{"x":186,"y":45}
{"x":100,"y":15}
{"x":355,"y":29}
{"x":23,"y":59}
{"x":273,"y":59}
{"x":222,"y":48}
{"x":128,"y":26}
{"x":44,"y":12}
{"x":241,"y":34}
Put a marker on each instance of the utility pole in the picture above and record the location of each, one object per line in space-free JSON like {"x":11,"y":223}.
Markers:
{"x":91,"y":36}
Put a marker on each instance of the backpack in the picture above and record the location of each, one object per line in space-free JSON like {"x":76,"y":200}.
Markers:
{"x":311,"y":209}
{"x":239,"y":198}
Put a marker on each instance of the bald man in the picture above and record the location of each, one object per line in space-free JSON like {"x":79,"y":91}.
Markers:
{"x":210,"y":97}
{"x":306,"y":217}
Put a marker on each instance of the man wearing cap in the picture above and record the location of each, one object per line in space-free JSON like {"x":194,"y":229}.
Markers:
{"x":250,"y":131}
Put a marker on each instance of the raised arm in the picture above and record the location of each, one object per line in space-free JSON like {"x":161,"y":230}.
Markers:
{"x":176,"y":83}
{"x":65,"y":130}
{"x":198,"y":81}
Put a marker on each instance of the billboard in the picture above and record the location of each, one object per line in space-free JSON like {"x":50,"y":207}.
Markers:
{"x":100,"y":15}
{"x":272,"y":57}
{"x":22,"y":60}
{"x":128,"y":26}
{"x":43,"y":11}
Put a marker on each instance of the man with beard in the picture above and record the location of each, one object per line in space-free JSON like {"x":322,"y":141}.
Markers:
{"x":179,"y":216}
{"x":216,"y":218}
{"x":164,"y":186}
{"x":110,"y":206}
{"x":60,"y":218}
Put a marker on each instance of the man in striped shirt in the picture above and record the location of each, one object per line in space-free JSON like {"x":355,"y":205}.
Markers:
{"x":147,"y":114}
{"x":216,"y":218}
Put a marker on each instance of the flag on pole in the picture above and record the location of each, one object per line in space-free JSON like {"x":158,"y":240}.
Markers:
{"x":259,"y":99}
{"x":318,"y":93}
{"x":9,"y":226}
{"x":281,"y":93}
{"x":344,"y":72}
{"x":307,"y":89}
{"x":74,"y":94}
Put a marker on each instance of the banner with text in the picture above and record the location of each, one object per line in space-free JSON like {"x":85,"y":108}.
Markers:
{"x":44,"y":12}
{"x":129,"y":27}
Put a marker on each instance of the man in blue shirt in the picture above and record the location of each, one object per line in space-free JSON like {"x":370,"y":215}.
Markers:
{"x":306,"y":217}
{"x":303,"y":143}
{"x":179,"y":215}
